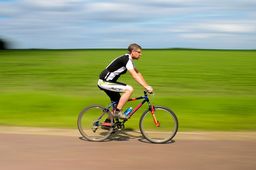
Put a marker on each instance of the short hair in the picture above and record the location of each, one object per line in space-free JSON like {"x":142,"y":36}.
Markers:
{"x":134,"y":46}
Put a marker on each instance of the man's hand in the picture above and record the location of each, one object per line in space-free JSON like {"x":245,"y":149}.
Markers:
{"x":149,"y":89}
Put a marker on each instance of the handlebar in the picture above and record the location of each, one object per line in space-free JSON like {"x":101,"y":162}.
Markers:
{"x":146,"y":92}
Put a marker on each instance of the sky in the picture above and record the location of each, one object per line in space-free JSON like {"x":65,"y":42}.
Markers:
{"x":65,"y":24}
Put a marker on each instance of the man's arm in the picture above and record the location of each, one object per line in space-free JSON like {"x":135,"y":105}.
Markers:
{"x":140,"y":79}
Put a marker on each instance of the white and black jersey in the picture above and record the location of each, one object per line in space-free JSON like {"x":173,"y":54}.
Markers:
{"x":117,"y":67}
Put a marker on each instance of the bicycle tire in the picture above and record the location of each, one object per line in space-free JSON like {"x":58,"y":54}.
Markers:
{"x":90,"y":121}
{"x":167,"y":129}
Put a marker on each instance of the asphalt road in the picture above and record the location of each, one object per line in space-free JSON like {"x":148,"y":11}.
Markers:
{"x":24,"y":151}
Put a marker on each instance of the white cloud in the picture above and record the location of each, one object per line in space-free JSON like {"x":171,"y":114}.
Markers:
{"x":230,"y":27}
{"x":50,"y":3}
{"x":107,"y":7}
{"x":112,"y":23}
{"x":196,"y":36}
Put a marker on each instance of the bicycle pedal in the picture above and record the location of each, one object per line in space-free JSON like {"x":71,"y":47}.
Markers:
{"x":94,"y":128}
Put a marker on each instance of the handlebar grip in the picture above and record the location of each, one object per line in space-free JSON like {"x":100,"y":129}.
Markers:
{"x":145,"y":92}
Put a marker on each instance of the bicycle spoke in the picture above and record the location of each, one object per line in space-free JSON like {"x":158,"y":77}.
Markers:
{"x":90,"y":123}
{"x":160,"y":127}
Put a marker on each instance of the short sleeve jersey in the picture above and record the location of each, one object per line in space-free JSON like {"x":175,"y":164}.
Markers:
{"x":116,"y":68}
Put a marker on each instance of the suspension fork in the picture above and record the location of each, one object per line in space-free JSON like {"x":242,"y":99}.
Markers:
{"x":152,"y":110}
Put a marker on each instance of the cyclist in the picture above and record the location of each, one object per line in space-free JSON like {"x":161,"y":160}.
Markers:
{"x":108,"y":79}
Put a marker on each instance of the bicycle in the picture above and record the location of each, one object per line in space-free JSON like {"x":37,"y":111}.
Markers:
{"x":157,"y":124}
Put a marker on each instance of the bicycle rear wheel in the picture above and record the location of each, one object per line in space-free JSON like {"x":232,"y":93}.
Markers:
{"x":90,"y":123}
{"x":162,"y":133}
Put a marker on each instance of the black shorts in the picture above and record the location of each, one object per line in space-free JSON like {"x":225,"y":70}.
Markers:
{"x":114,"y":96}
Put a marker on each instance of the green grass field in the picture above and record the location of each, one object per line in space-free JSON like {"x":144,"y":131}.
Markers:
{"x":211,"y":90}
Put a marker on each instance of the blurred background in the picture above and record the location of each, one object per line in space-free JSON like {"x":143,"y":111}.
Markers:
{"x":199,"y":57}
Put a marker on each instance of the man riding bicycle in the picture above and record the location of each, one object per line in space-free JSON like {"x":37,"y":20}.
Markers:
{"x":108,"y":79}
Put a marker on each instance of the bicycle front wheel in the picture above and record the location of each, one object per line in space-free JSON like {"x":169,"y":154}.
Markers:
{"x":160,"y":129}
{"x":90,"y":123}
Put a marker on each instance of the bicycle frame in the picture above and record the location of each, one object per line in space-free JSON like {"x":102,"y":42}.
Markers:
{"x":145,"y":99}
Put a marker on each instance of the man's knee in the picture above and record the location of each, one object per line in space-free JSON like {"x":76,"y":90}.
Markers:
{"x":129,"y":88}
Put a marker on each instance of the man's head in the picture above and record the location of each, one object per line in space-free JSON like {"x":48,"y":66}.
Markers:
{"x":135,"y":50}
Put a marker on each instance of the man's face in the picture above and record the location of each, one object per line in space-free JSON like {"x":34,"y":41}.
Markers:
{"x":136,"y":54}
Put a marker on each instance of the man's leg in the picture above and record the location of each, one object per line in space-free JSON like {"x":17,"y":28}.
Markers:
{"x":125,"y":96}
{"x":115,"y":96}
{"x":112,"y":89}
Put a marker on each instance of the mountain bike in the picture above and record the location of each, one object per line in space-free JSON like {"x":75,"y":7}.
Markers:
{"x":157,"y":124}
